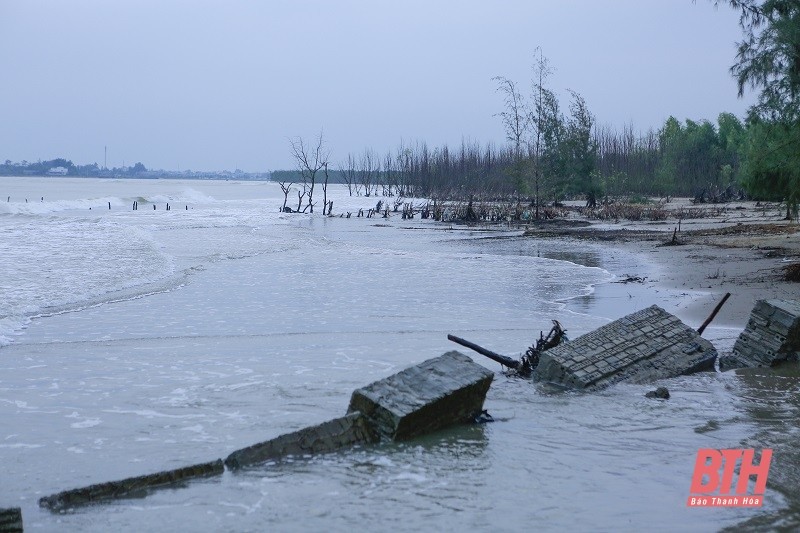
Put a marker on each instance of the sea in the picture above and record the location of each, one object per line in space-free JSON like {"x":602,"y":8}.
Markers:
{"x":139,"y":340}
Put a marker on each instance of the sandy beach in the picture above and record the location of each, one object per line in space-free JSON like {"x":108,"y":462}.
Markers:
{"x":744,"y":250}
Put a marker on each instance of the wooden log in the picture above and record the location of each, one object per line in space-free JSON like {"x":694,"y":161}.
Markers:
{"x":502,"y":359}
{"x":705,"y":324}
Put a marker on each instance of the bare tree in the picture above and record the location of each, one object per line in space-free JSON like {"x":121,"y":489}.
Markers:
{"x":348,"y":170}
{"x":516,"y":118}
{"x":310,"y":160}
{"x":286,"y":186}
{"x":389,"y":177}
{"x":325,"y":191}
{"x":369,"y":169}
{"x":541,"y":70}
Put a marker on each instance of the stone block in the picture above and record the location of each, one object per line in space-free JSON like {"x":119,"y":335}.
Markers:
{"x":641,"y":347}
{"x":436,"y":393}
{"x":11,"y":520}
{"x":329,"y":436}
{"x":130,"y":487}
{"x":772,"y":335}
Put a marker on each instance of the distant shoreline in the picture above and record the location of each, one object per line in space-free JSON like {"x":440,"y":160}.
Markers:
{"x":203,"y":177}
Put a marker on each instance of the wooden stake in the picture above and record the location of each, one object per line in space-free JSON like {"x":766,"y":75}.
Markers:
{"x":713,"y":313}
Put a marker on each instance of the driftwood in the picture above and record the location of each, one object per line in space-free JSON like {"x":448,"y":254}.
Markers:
{"x":530,"y":360}
{"x":502,"y":359}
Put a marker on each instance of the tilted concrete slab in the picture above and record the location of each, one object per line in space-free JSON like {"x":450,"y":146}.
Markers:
{"x":436,"y":393}
{"x":772,"y":335}
{"x":641,"y":347}
{"x":326,"y":437}
{"x":129,"y":487}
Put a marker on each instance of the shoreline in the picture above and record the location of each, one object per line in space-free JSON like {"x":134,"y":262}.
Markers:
{"x":687,"y":279}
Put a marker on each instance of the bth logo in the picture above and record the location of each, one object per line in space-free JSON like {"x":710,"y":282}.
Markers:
{"x":712,"y":482}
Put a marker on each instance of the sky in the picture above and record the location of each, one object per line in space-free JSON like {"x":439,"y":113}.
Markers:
{"x":221,"y":85}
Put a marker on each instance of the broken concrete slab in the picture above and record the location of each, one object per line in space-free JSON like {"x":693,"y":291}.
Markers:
{"x":130,"y":487}
{"x":641,"y":347}
{"x":772,"y":335}
{"x":11,"y":520}
{"x":436,"y":393}
{"x":329,"y":436}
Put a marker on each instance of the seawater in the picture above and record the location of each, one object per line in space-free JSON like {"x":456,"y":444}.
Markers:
{"x":144,"y":340}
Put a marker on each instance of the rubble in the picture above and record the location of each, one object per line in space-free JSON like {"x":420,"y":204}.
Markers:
{"x":661,"y":393}
{"x":641,"y":347}
{"x":326,"y":437}
{"x":436,"y":393}
{"x":772,"y":335}
{"x":11,"y":520}
{"x":431,"y":395}
{"x":130,"y":487}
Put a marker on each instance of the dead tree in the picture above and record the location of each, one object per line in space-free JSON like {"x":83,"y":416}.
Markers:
{"x":348,"y":171}
{"x":310,"y":160}
{"x":369,"y":168}
{"x":325,"y":189}
{"x":286,"y":186}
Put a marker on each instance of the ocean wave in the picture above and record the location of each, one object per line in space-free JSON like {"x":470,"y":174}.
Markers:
{"x":49,"y":265}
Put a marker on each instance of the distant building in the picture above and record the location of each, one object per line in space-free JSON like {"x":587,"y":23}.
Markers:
{"x":57,"y":171}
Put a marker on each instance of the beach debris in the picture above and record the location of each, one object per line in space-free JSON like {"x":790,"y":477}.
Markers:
{"x":329,"y":436}
{"x":508,"y":362}
{"x":631,"y":279}
{"x":434,"y":394}
{"x":642,"y":347}
{"x":11,"y":520}
{"x":523,"y":367}
{"x":772,"y":336}
{"x":792,"y":272}
{"x":130,"y":487}
{"x":661,"y":393}
{"x":437,"y":393}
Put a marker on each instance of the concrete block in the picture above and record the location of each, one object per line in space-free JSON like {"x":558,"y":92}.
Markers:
{"x":644,"y":346}
{"x":11,"y":520}
{"x":329,"y":436}
{"x":772,"y":336}
{"x":129,"y":487}
{"x":436,"y":393}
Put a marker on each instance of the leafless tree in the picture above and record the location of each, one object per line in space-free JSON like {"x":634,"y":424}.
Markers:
{"x":349,"y":174}
{"x":516,"y":117}
{"x":286,"y":186}
{"x":325,"y":191}
{"x":541,"y":71}
{"x":310,"y":160}
{"x":368,"y":171}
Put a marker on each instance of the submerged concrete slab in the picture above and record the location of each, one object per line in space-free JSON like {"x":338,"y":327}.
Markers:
{"x":772,"y":335}
{"x":436,"y":393}
{"x":326,"y":437}
{"x":130,"y":487}
{"x":641,"y":347}
{"x":11,"y":520}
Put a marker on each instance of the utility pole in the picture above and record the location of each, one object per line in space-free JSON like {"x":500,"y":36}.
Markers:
{"x":105,"y":157}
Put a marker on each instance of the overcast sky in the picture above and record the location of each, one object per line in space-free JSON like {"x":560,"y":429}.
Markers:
{"x":218,"y":85}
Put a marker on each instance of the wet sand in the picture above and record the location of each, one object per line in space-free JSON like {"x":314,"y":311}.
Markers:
{"x":744,"y":256}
